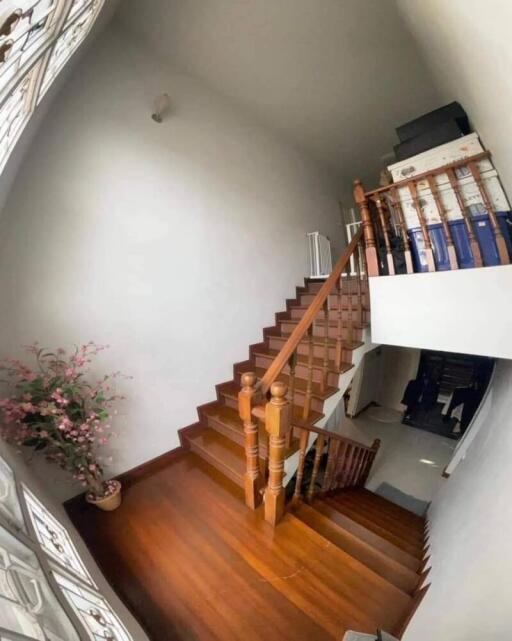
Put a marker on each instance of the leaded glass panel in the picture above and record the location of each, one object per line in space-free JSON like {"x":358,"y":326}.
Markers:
{"x":54,"y":538}
{"x":97,"y":616}
{"x":27,"y":604}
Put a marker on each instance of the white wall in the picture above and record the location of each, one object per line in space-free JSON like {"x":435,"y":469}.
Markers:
{"x":467,"y":311}
{"x":173,"y":243}
{"x":468,"y":48}
{"x":399,"y":366}
{"x":470,"y":534}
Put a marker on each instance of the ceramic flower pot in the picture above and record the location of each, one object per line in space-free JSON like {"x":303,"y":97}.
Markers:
{"x":107,"y":503}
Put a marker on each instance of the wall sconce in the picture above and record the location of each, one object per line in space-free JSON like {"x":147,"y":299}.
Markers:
{"x":160,"y":106}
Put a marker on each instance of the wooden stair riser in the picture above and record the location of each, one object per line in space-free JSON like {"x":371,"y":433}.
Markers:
{"x":296,"y":313}
{"x":301,"y":371}
{"x":314,"y":287}
{"x":218,"y":464}
{"x":306,"y":299}
{"x":287,"y":328}
{"x":276,"y":342}
{"x":299,"y":399}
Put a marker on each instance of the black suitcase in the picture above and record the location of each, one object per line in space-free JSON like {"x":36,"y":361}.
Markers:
{"x":433,"y":119}
{"x":445,"y":132}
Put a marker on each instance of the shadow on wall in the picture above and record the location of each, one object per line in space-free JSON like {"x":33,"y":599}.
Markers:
{"x":406,"y":501}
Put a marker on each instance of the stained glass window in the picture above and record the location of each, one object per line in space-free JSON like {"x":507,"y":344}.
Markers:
{"x":68,"y":42}
{"x":9,"y":502}
{"x":27,"y":604}
{"x":14,"y":113}
{"x":54,"y":538}
{"x":97,"y":616}
{"x":37,"y":38}
{"x":25,"y":28}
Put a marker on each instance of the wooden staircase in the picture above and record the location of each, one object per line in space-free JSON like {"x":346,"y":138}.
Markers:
{"x":363,"y":553}
{"x":218,"y":436}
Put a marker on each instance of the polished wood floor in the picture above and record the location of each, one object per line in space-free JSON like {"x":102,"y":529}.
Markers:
{"x":193,"y":563}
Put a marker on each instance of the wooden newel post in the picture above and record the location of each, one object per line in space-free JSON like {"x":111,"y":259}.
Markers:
{"x":252,"y":474}
{"x":372,"y":261}
{"x":277,"y":423}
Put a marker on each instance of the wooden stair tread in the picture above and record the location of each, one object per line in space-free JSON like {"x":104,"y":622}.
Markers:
{"x":380,"y":500}
{"x":391,"y":522}
{"x":331,"y":322}
{"x":366,"y":534}
{"x":231,"y":389}
{"x":301,"y":383}
{"x":318,"y":341}
{"x":302,"y":359}
{"x":394,"y":572}
{"x":224,"y":454}
{"x":352,"y":581}
{"x":398,"y":541}
{"x":230,"y":418}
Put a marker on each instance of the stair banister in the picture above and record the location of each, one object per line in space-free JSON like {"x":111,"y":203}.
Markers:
{"x":277,"y":414}
{"x":306,"y":321}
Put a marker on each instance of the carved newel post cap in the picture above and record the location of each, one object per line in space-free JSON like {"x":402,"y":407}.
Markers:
{"x":248,"y":379}
{"x":278,"y":390}
{"x":376,"y":443}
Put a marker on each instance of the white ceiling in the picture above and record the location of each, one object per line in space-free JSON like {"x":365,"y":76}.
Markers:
{"x":334,"y":77}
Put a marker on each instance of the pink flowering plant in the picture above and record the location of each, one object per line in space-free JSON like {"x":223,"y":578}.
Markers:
{"x":52,"y":407}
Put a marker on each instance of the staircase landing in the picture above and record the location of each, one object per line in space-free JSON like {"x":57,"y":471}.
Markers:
{"x":192,"y":562}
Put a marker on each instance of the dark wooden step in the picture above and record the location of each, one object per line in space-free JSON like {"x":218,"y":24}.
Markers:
{"x":227,"y":421}
{"x":297,"y":311}
{"x":393,"y":571}
{"x":392,"y":523}
{"x":224,"y":454}
{"x":367,"y":535}
{"x":229,"y":392}
{"x":398,"y":541}
{"x":402,"y":512}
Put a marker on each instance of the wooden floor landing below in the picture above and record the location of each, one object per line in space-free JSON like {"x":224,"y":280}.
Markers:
{"x":192,"y":563}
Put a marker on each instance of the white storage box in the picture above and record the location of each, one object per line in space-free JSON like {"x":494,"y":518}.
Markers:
{"x":470,"y":194}
{"x":443,"y":155}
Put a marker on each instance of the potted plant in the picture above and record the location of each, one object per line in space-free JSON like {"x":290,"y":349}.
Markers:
{"x":53,"y":408}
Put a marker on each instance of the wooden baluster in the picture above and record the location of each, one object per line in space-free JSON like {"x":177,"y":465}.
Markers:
{"x":444,"y":220}
{"x":356,"y":466}
{"x":429,"y":254}
{"x":373,"y":453}
{"x":332,"y":457}
{"x":475,"y":248}
{"x":309,"y":384}
{"x":349,"y":455}
{"x":339,"y":329}
{"x":359,"y":286}
{"x":350,"y":311}
{"x":277,"y":424}
{"x":252,"y":475}
{"x":303,"y":450}
{"x":387,"y":244}
{"x":319,"y":450}
{"x":340,"y":465}
{"x":372,"y":261}
{"x":361,"y":467}
{"x":325,"y":364}
{"x":292,"y":363}
{"x":501,"y":244}
{"x":397,"y":206}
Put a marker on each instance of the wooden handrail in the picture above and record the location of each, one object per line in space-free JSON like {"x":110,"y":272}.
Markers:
{"x":303,"y":425}
{"x":306,"y":321}
{"x":463,"y":162}
{"x":431,"y":246}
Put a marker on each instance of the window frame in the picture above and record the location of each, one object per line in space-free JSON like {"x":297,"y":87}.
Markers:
{"x":63,"y":19}
{"x":49,"y":564}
